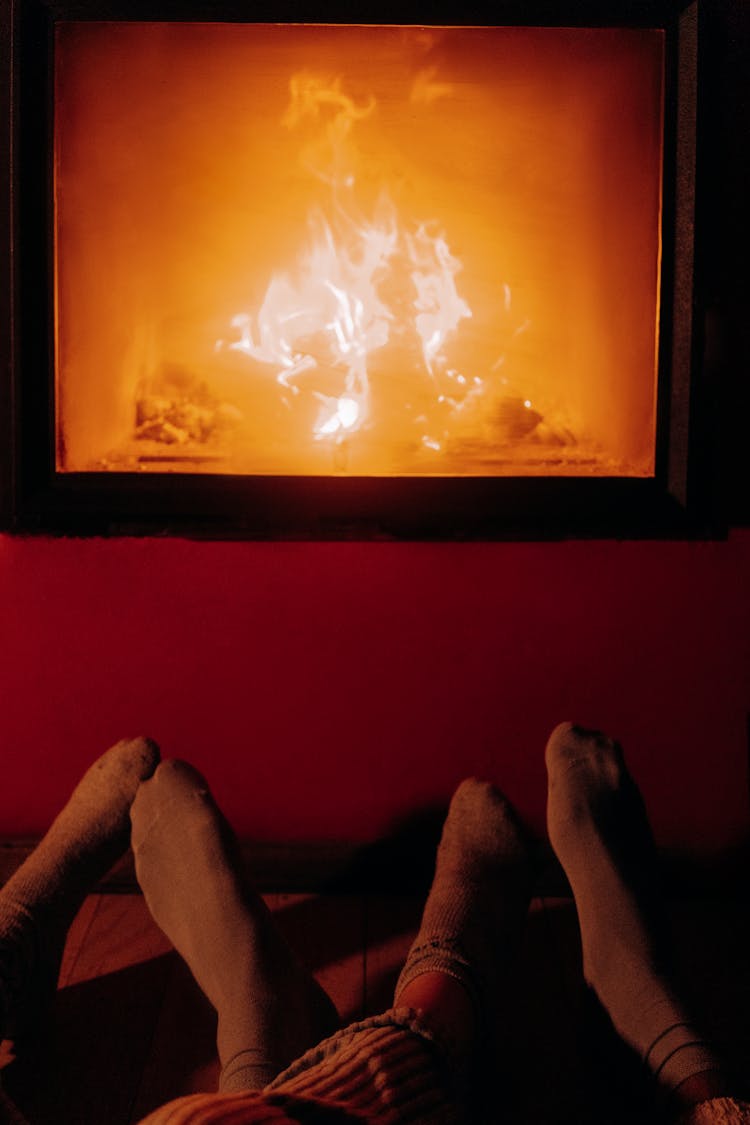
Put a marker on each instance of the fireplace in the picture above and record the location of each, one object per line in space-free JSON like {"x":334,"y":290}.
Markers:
{"x":306,"y":278}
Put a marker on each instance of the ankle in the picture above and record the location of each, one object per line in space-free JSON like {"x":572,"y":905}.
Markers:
{"x":442,"y":1000}
{"x":698,"y":1088}
{"x":444,"y":1005}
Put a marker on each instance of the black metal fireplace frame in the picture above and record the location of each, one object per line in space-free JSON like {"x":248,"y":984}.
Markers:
{"x":35,"y":497}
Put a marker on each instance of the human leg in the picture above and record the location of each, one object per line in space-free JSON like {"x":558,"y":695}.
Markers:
{"x":599,"y":830}
{"x":403,"y":1065}
{"x":269,"y":1008}
{"x":472,"y":918}
{"x":40,"y":900}
{"x":413,"y":1063}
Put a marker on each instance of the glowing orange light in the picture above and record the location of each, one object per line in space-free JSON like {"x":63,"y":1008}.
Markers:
{"x":379,"y":250}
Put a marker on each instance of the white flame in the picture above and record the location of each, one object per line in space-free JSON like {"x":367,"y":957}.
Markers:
{"x":320,"y":321}
{"x":439,"y":306}
{"x":336,"y":415}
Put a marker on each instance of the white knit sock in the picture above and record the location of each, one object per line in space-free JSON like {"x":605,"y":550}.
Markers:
{"x":270,"y":1009}
{"x":40,"y":901}
{"x":479,"y":895}
{"x":599,"y":830}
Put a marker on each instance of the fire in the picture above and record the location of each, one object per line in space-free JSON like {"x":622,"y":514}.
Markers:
{"x":362,"y":283}
{"x":440,"y":307}
{"x":302,"y":249}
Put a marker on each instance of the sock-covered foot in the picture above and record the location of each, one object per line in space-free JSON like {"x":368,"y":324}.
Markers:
{"x":41,"y":899}
{"x":270,"y":1010}
{"x":480,"y":894}
{"x":599,"y":829}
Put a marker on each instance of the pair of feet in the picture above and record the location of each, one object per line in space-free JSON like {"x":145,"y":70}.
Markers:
{"x":269,"y":1009}
{"x":599,"y":830}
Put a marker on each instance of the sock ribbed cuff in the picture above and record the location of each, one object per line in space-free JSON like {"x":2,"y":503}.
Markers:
{"x":248,"y":1069}
{"x":440,"y":955}
{"x":677,"y":1054}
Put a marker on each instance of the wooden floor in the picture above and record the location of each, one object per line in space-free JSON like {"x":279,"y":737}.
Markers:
{"x":131,"y":1030}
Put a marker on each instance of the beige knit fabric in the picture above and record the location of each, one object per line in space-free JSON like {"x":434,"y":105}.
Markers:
{"x":385,"y":1069}
{"x":718,"y":1111}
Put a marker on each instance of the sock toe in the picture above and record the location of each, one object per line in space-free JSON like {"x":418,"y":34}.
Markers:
{"x":475,"y":798}
{"x":473,"y":915}
{"x":174,"y":777}
{"x":174,"y":783}
{"x":483,"y":833}
{"x":126,"y":764}
{"x":143,"y":753}
{"x":571,"y":743}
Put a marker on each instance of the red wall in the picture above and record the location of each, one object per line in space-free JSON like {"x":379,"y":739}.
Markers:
{"x":325,"y":689}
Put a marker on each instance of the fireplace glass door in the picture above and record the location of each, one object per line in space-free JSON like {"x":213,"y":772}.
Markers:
{"x":376,"y":251}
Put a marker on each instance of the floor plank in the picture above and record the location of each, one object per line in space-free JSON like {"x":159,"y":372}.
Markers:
{"x":327,"y":932}
{"x":77,"y":935}
{"x":122,"y":934}
{"x":536,"y":1025}
{"x":182,"y":1052}
{"x":391,"y":922}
